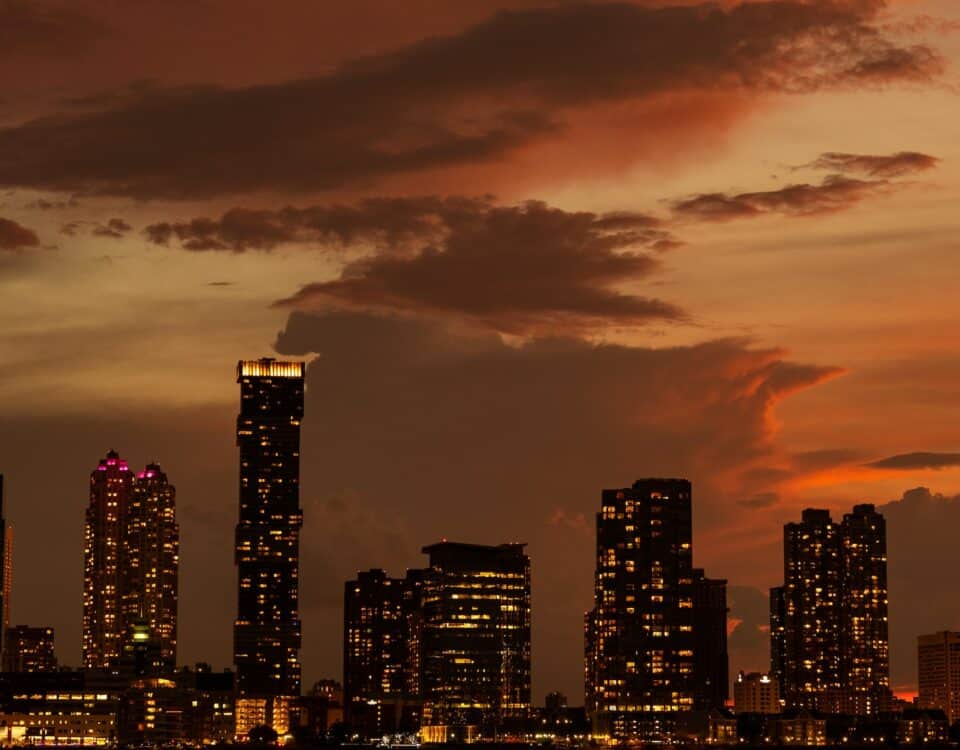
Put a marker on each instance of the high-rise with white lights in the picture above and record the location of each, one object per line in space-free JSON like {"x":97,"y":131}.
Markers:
{"x":267,"y":629}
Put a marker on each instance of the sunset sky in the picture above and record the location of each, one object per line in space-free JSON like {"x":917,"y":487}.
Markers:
{"x":531,"y":249}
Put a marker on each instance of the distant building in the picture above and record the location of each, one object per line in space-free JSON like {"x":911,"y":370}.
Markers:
{"x":267,"y":629}
{"x":828,"y":623}
{"x":938,"y":669}
{"x":376,"y":655}
{"x":58,"y":708}
{"x":474,"y":640}
{"x":711,"y":678}
{"x":111,"y":485}
{"x":131,"y":564}
{"x":650,"y":612}
{"x":29,"y":649}
{"x":756,"y":693}
{"x":152,"y":561}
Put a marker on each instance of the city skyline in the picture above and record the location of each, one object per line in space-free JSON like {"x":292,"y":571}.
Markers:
{"x":527,"y":249}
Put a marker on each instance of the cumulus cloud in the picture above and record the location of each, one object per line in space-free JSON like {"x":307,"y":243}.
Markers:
{"x":893,"y":165}
{"x":518,"y":269}
{"x":15,"y":237}
{"x":917,"y":461}
{"x":477,"y":440}
{"x":474,"y":96}
{"x":114,"y":228}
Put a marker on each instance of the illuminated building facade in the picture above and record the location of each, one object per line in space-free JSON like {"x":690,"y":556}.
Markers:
{"x":111,"y":485}
{"x":267,"y":628}
{"x":474,"y":640}
{"x":28,"y":649}
{"x":865,"y":643}
{"x":640,"y":664}
{"x":829,"y":620}
{"x":756,"y":693}
{"x":710,"y":663}
{"x":152,"y":563}
{"x":938,"y":669}
{"x":376,"y":654}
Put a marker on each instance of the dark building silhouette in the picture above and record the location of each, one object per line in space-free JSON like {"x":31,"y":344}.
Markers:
{"x":29,"y":649}
{"x":267,"y":628}
{"x":474,"y":640}
{"x":152,"y":563}
{"x":377,"y":654}
{"x":641,"y":637}
{"x":778,"y":638}
{"x":111,"y":485}
{"x":833,"y":652}
{"x":711,"y":679}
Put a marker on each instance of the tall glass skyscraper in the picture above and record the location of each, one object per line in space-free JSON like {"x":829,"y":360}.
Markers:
{"x":267,"y":628}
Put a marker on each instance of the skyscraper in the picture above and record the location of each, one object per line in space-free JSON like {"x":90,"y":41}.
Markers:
{"x":377,"y":654}
{"x":640,"y":633}
{"x":938,"y":669}
{"x":152,"y":562}
{"x":111,"y":485}
{"x":474,"y":639}
{"x":865,"y":644}
{"x":267,"y":628}
{"x":829,"y":636}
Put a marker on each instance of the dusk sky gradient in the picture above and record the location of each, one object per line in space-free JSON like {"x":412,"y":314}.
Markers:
{"x":531,"y":250}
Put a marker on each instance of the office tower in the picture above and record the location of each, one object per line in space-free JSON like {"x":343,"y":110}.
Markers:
{"x":151,"y":564}
{"x":474,"y":640}
{"x":710,"y":665}
{"x":111,"y":485}
{"x":639,"y":636}
{"x":864,"y":646}
{"x":938,"y":670}
{"x":375,"y":655}
{"x":834,"y":647}
{"x":29,"y":649}
{"x":778,"y":637}
{"x":267,"y":628}
{"x":756,"y":693}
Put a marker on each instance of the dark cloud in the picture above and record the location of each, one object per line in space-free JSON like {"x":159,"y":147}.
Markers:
{"x":15,"y":237}
{"x":474,"y":96}
{"x":761,"y":500}
{"x":455,"y":434}
{"x":45,"y":204}
{"x":221,"y":283}
{"x":518,"y":269}
{"x":894,"y":165}
{"x":39,"y":28}
{"x":114,"y":228}
{"x":385,"y":222}
{"x":916,"y":461}
{"x":835,"y":193}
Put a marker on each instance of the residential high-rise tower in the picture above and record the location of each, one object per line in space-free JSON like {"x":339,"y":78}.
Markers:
{"x":267,"y":628}
{"x":111,"y":485}
{"x":640,"y":634}
{"x":152,"y":562}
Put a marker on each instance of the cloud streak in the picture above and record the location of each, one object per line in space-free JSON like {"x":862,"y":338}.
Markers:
{"x":917,"y":461}
{"x":477,"y":96}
